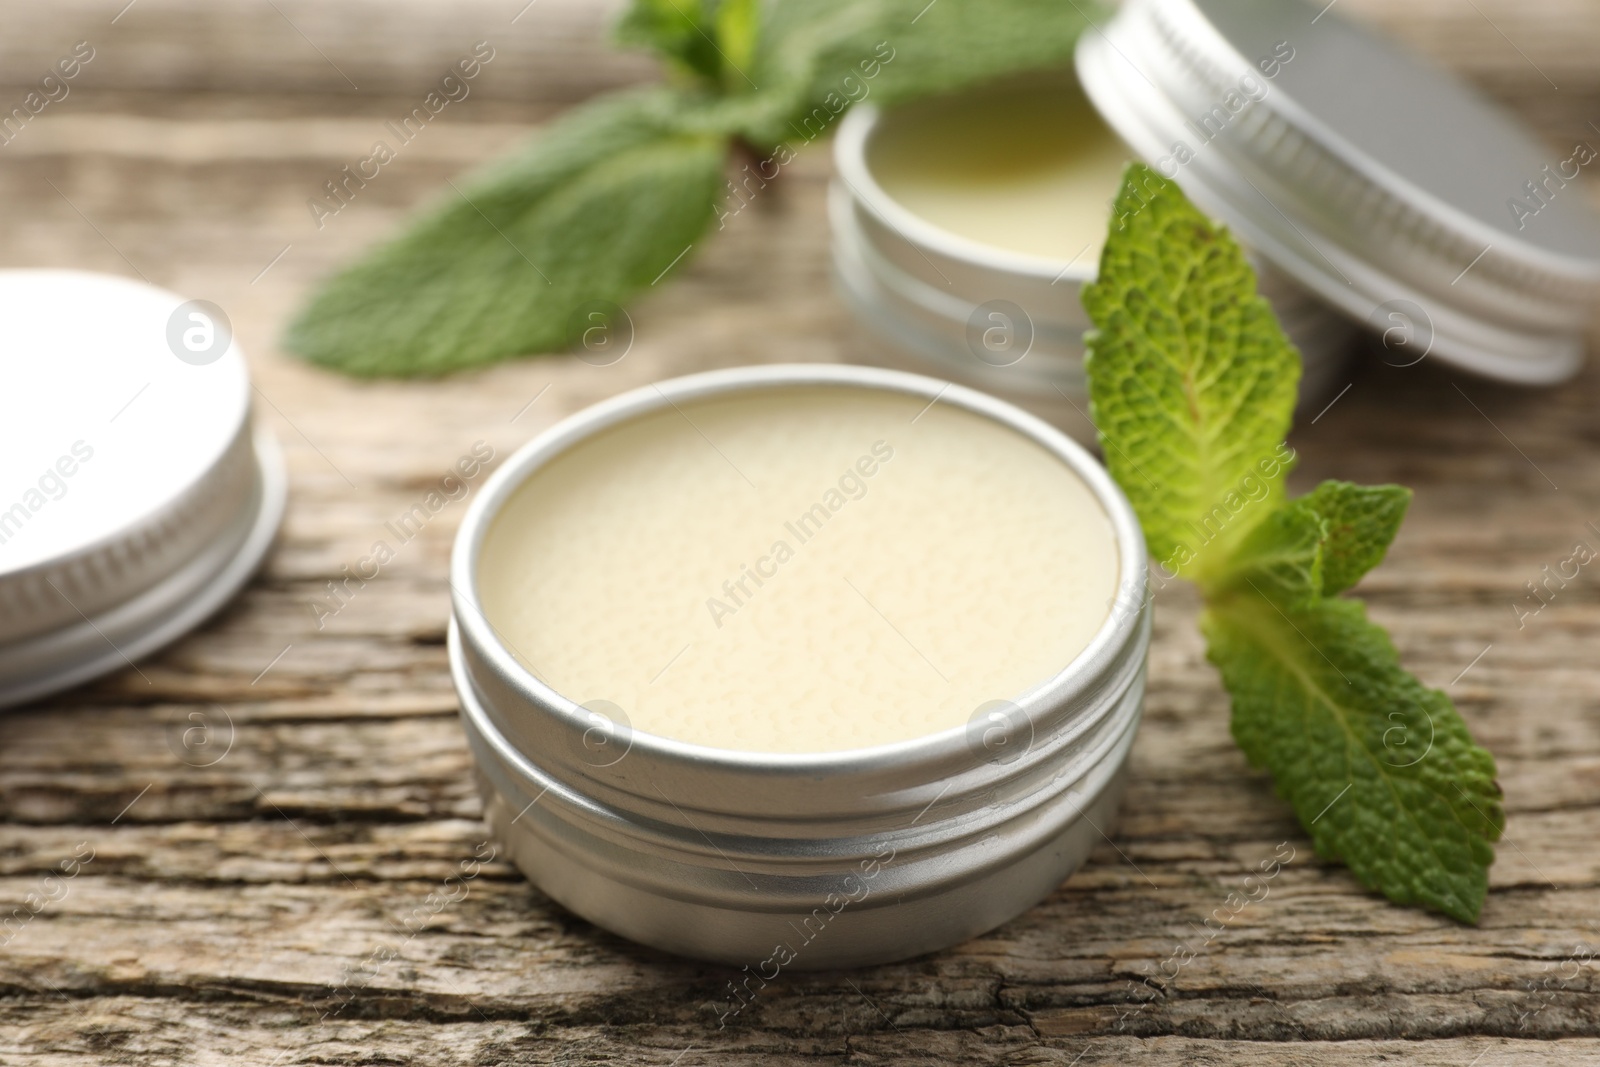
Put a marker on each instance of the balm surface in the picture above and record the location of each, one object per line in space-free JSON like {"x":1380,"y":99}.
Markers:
{"x":1028,"y":167}
{"x":799,"y":569}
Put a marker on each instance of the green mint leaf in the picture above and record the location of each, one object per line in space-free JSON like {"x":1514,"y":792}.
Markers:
{"x":1362,"y":520}
{"x":818,"y":57}
{"x":1319,"y":544}
{"x":1380,"y":770}
{"x":713,"y":42}
{"x":617,"y":192}
{"x":1191,"y":381}
{"x":678,"y":30}
{"x":611,"y":197}
{"x":738,"y":24}
{"x":1282,"y":558}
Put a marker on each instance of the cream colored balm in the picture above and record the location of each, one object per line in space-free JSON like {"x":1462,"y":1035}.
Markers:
{"x":1028,"y":167}
{"x":800,"y":569}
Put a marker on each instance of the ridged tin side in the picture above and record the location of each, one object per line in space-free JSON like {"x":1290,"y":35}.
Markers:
{"x":178,"y":598}
{"x":61,"y":591}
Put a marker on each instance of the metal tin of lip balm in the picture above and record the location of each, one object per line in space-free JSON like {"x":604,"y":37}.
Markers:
{"x":140,"y":497}
{"x":1002,"y":319}
{"x":846,"y":858}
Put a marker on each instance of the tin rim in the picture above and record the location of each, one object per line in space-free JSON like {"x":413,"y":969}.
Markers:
{"x":850,"y":162}
{"x":1117,"y":631}
{"x":160,"y":614}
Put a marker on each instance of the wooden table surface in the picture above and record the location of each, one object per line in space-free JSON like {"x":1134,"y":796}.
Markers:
{"x":266,"y":801}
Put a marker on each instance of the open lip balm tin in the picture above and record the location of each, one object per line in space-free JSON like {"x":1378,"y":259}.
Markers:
{"x":998,"y":317}
{"x":1374,"y":188}
{"x":777,"y":859}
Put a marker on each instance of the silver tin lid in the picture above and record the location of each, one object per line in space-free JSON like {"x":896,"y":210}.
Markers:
{"x":1396,"y":192}
{"x":135,"y":497}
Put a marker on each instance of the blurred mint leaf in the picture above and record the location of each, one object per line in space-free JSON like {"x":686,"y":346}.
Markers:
{"x":713,"y":41}
{"x":616,"y":190}
{"x":1192,"y":383}
{"x":738,"y":24}
{"x":822,"y":56}
{"x":678,"y":30}
{"x":1380,"y":770}
{"x":611,"y":196}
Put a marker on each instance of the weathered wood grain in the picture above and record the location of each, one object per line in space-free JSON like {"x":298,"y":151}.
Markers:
{"x":344,"y":49}
{"x":559,"y":49}
{"x":260,"y":884}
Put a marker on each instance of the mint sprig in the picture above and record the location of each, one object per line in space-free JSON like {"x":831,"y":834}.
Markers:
{"x":611,"y":195}
{"x":621,"y":191}
{"x":1192,"y":386}
{"x":712,"y":44}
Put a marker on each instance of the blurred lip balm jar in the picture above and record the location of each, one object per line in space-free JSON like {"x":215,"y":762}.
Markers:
{"x":1374,"y":190}
{"x":965,"y":227}
{"x":800,"y":666}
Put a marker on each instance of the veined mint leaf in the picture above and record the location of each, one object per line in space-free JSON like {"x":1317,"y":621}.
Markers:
{"x":1381,"y":770}
{"x":612,"y":196}
{"x":1281,"y":558}
{"x":1316,"y":545}
{"x":1362,"y":520}
{"x":1191,"y":381}
{"x":817,"y":57}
